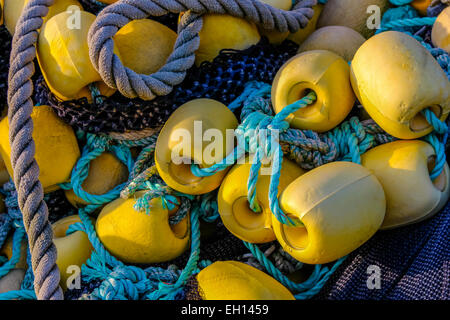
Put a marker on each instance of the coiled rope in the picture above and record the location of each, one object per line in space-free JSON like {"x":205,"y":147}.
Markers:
{"x":147,"y":87}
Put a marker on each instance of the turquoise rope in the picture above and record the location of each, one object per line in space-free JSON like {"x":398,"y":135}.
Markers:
{"x":304,"y":290}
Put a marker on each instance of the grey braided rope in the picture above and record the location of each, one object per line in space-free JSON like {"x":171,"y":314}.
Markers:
{"x":26,"y":170}
{"x":147,"y":87}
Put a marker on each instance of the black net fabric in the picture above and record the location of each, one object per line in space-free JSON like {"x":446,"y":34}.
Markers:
{"x":222,"y":80}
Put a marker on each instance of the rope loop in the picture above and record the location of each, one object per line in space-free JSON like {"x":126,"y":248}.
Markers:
{"x":148,"y":87}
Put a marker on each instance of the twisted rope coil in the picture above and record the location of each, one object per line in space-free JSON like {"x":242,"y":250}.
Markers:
{"x":147,"y":87}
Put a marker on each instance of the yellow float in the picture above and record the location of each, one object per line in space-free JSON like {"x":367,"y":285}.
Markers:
{"x":12,"y":280}
{"x":57,"y":148}
{"x":186,"y":138}
{"x":274,"y":36}
{"x":231,"y":280}
{"x":12,"y":9}
{"x":353,"y":14}
{"x":338,"y":39}
{"x":401,"y":80}
{"x":144,"y":45}
{"x":403,"y":167}
{"x":73,"y":249}
{"x":341,"y":204}
{"x":440,"y":34}
{"x":421,"y":6}
{"x":63,"y":56}
{"x":301,"y":35}
{"x":234,"y":208}
{"x":220,"y":32}
{"x":141,"y":237}
{"x":7,"y":250}
{"x":323,"y":72}
{"x":105,"y":173}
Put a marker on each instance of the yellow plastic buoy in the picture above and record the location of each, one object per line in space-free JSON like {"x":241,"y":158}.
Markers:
{"x":144,"y":45}
{"x":202,"y":132}
{"x":440,"y":34}
{"x":12,"y":280}
{"x":4,"y":175}
{"x":341,"y":204}
{"x":12,"y":9}
{"x":338,"y":39}
{"x":360,"y":15}
{"x":73,"y":249}
{"x":57,"y":148}
{"x":403,"y":167}
{"x":421,"y":6}
{"x":401,"y":80}
{"x":141,"y":237}
{"x":274,"y":36}
{"x":299,"y":36}
{"x":220,"y":32}
{"x":63,"y":56}
{"x":323,"y":72}
{"x":234,"y":208}
{"x":231,"y":280}
{"x":105,"y":173}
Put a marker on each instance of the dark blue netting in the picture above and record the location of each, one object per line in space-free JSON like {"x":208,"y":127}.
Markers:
{"x":414,"y":262}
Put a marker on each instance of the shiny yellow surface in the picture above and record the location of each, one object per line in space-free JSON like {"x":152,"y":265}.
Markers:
{"x":144,"y":45}
{"x":421,"y":6}
{"x":224,"y":32}
{"x":402,"y":167}
{"x":73,"y":250}
{"x":57,"y":148}
{"x":178,"y":137}
{"x":231,"y":280}
{"x":63,"y":56}
{"x":276,"y":37}
{"x":302,"y":34}
{"x":441,"y":30}
{"x":400,"y":81}
{"x":324,"y":72}
{"x":105,"y":173}
{"x":352,"y":14}
{"x":338,"y":39}
{"x":6,"y":250}
{"x":234,"y":208}
{"x":12,"y":9}
{"x":139,"y":237}
{"x":341,"y":205}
